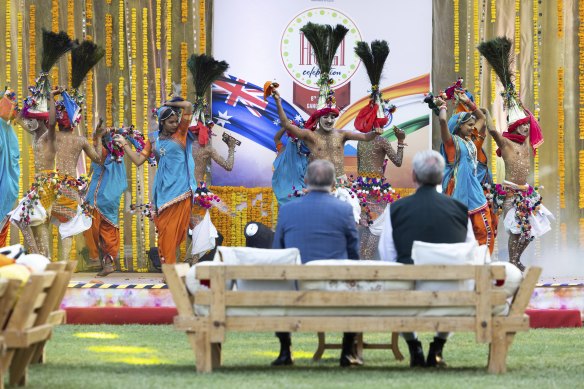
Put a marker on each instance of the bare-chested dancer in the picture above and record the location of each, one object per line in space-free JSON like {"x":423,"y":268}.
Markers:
{"x":326,"y":142}
{"x":518,"y":197}
{"x":371,"y":164}
{"x":203,"y":153}
{"x":69,"y":147}
{"x":35,"y":225}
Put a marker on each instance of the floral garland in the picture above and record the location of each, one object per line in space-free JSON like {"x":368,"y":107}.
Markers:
{"x":109,"y":26}
{"x":121,"y":34}
{"x":526,"y":202}
{"x":145,"y":172}
{"x":204,"y":198}
{"x":56,"y":182}
{"x":456,"y":36}
{"x":202,"y":28}
{"x":135,"y":137}
{"x":561,"y":139}
{"x":8,"y":51}
{"x":560,"y":4}
{"x":493,"y":11}
{"x":184,"y":11}
{"x":372,"y":190}
{"x":517,"y":42}
{"x":31,"y":43}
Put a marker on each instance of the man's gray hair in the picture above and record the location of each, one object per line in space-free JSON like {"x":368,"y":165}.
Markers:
{"x":428,"y":167}
{"x":320,"y":175}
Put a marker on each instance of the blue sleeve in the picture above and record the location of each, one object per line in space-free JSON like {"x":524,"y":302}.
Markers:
{"x":351,"y":235}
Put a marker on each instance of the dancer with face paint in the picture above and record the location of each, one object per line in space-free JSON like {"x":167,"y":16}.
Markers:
{"x":32,"y":215}
{"x":525,"y":216}
{"x":174,"y":183}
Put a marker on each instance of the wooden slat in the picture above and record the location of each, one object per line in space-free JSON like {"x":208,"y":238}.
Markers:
{"x":351,"y":324}
{"x":398,"y":298}
{"x":191,"y":323}
{"x":40,"y":299}
{"x":294,"y":272}
{"x":525,"y":291}
{"x":484,"y":308}
{"x":19,"y":339}
{"x":180,"y":295}
{"x":25,"y":303}
{"x":217,"y":312}
{"x":7,"y":301}
{"x":512,"y":323}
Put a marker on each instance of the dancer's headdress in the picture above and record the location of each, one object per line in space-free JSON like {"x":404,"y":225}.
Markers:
{"x":83,"y":57}
{"x":377,"y":113}
{"x":325,"y":41}
{"x":205,"y":69}
{"x":55,"y":45}
{"x":499,"y":55}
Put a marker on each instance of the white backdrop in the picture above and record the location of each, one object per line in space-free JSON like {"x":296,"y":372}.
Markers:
{"x":260,"y":41}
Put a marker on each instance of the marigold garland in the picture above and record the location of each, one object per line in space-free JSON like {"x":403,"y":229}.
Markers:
{"x":561,"y":139}
{"x":122,"y":235}
{"x":168,"y":31}
{"x":157,"y":81}
{"x":536,"y":70}
{"x":581,"y":70}
{"x":134,"y":97}
{"x":109,"y":26}
{"x":183,"y":69}
{"x":517,"y":43}
{"x":121,"y":102}
{"x":581,"y":179}
{"x":121,"y":35}
{"x":184,"y":11}
{"x":31,"y":44}
{"x":158,"y":24}
{"x":145,"y":181}
{"x":8,"y":52}
{"x":109,"y":94}
{"x":494,"y":11}
{"x":203,"y":32}
{"x":88,"y":12}
{"x":476,"y":55}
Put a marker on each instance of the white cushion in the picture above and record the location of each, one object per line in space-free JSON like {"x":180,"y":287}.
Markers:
{"x":513,"y":278}
{"x":35,"y":262}
{"x":354,"y":285}
{"x":255,"y":256}
{"x":194,"y":285}
{"x":466,"y":253}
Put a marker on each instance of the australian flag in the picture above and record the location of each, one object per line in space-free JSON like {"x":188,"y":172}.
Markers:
{"x":239,"y":106}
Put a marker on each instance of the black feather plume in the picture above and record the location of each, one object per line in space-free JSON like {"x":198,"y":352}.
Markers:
{"x":325,"y":41}
{"x":205,"y":69}
{"x":83,"y":58}
{"x":498,"y":53}
{"x":373,"y":58}
{"x":54,"y":46}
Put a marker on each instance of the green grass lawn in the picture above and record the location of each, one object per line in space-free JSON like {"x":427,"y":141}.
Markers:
{"x":137,"y":356}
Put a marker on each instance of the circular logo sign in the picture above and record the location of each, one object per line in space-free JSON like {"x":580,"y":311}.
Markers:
{"x":298,"y":57}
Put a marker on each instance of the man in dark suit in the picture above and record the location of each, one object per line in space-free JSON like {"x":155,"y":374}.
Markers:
{"x":321,"y":227}
{"x":426,"y":216}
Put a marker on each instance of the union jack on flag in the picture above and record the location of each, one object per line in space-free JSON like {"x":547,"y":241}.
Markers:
{"x":239,"y":106}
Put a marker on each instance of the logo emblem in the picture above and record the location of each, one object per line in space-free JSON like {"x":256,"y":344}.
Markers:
{"x":298,"y":56}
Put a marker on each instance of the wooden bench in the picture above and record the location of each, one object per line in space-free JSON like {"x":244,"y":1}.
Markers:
{"x":206,"y":333}
{"x":28,"y":319}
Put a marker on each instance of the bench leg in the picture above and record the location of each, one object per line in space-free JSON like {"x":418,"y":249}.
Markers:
{"x":359,"y":345}
{"x":19,"y":366}
{"x":203,"y":352}
{"x":320,"y":348}
{"x":498,"y":352}
{"x":216,"y":355}
{"x":395,"y":346}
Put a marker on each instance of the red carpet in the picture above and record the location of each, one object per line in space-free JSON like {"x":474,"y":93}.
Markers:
{"x":122,"y":315}
{"x":554,"y":318}
{"x":538,"y":318}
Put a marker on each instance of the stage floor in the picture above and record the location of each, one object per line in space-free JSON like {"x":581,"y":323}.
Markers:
{"x":145,"y":299}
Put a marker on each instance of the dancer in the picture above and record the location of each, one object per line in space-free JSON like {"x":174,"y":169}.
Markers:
{"x":67,"y":208}
{"x":108,"y":183}
{"x":289,"y":167}
{"x":174,"y":183}
{"x":9,"y":166}
{"x":371,"y":188}
{"x":460,"y":152}
{"x":525,"y":217}
{"x":32,"y":215}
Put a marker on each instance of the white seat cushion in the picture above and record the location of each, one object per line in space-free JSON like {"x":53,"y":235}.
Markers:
{"x":353,"y":285}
